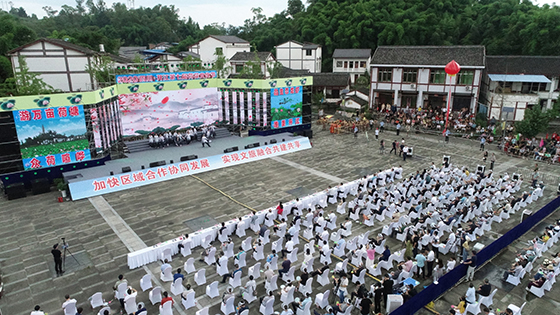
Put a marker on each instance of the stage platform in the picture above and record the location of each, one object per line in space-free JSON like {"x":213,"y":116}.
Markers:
{"x":110,"y":177}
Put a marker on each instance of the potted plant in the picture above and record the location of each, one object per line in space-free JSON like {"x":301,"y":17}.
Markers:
{"x":61,"y":186}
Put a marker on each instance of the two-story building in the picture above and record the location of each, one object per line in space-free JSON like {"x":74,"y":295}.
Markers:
{"x":513,"y":84}
{"x":300,"y":56}
{"x":352,"y":61}
{"x":239,"y":61}
{"x":209,"y":48}
{"x":61,"y":64}
{"x":414,"y":76}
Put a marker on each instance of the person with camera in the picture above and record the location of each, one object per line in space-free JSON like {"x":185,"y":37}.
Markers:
{"x":57,"y":255}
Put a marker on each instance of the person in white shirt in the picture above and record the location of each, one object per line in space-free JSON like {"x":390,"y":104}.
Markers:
{"x":289,"y":247}
{"x":68,"y":301}
{"x":37,"y":311}
{"x":286,"y":310}
{"x":430,"y":262}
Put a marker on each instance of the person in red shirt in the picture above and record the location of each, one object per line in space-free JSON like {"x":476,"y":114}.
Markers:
{"x":280,"y":208}
{"x":166,"y":298}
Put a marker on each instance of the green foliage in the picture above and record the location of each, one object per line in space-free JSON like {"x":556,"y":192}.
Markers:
{"x":316,"y":99}
{"x":252,"y":68}
{"x":534,"y":121}
{"x":481,"y":120}
{"x":274,"y":69}
{"x":220,"y":65}
{"x":29,"y":83}
{"x":54,"y":148}
{"x":100,"y":69}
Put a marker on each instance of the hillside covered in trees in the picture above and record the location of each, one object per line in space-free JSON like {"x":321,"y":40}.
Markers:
{"x":503,"y":26}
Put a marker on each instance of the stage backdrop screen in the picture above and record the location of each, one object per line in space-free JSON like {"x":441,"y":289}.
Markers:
{"x":52,"y":136}
{"x":143,"y":113}
{"x":285,"y":105}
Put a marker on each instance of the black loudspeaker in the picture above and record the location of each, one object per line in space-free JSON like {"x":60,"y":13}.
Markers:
{"x":170,"y":161}
{"x":111,"y":172}
{"x":158,"y":163}
{"x":232,"y":149}
{"x":253,"y":145}
{"x":189,"y":157}
{"x":143,"y":167}
{"x":40,"y":186}
{"x":273,"y":141}
{"x":308,"y":133}
{"x":15,"y":191}
{"x":516,"y":177}
{"x":480,"y":169}
{"x":126,"y":169}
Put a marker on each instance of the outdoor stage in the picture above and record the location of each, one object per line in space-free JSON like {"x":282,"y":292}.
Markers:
{"x":111,"y":178}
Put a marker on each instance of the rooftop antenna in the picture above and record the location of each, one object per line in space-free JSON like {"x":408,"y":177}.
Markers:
{"x":130,"y":4}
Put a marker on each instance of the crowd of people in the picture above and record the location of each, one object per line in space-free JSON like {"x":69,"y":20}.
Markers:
{"x":203,"y":134}
{"x":543,"y":149}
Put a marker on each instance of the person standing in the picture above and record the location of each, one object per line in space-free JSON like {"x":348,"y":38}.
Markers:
{"x":365,"y":305}
{"x":394,"y":148}
{"x":387,"y":288}
{"x":447,"y":133}
{"x":381,"y":126}
{"x":482,"y":141}
{"x":471,"y":262}
{"x":404,"y":153}
{"x":492,"y":161}
{"x":398,"y":128}
{"x":376,"y":133}
{"x":378,"y":295}
{"x":205,"y":141}
{"x":57,"y":255}
{"x":430,"y":263}
{"x":382,"y":147}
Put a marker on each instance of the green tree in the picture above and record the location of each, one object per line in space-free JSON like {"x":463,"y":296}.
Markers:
{"x":101,"y":69}
{"x":221,"y":64}
{"x":535,"y":121}
{"x":295,"y":7}
{"x":29,"y":83}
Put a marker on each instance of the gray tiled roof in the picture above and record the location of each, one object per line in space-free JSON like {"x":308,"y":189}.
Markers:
{"x":331,"y":79}
{"x":545,"y":65}
{"x":250,"y":55}
{"x":229,"y":39}
{"x":352,"y":53}
{"x":429,"y":55}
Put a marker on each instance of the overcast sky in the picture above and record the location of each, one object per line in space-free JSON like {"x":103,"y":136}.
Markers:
{"x":204,"y":12}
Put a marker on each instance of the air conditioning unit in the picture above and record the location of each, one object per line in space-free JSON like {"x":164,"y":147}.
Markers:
{"x":468,"y":88}
{"x":413,"y":85}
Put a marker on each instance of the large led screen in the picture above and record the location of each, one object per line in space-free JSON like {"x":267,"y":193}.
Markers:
{"x":285,"y":105}
{"x":144,"y":113}
{"x":52,"y":136}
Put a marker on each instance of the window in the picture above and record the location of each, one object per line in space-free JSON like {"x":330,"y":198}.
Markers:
{"x":346,"y":64}
{"x":384,"y":75}
{"x":356,"y":64}
{"x":308,"y":52}
{"x":339,"y":64}
{"x":465,"y":77}
{"x":362,"y":64}
{"x":238,"y":68}
{"x":437,"y":76}
{"x":409,"y":75}
{"x":219,"y":51}
{"x":351,"y":64}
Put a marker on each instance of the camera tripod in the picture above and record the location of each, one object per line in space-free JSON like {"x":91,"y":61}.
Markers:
{"x":66,"y":248}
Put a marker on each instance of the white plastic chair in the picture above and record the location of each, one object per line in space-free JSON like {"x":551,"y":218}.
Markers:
{"x":516,"y":280}
{"x":106,"y":308}
{"x":200,"y":277}
{"x":473,"y":308}
{"x":166,"y":275}
{"x":258,"y":252}
{"x":177,"y":286}
{"x":293,"y":255}
{"x":189,"y":266}
{"x":339,"y":250}
{"x":322,"y":299}
{"x":96,"y":300}
{"x":289,"y":275}
{"x":305,"y":311}
{"x":246,"y":244}
{"x":222,"y":266}
{"x":487,"y":300}
{"x":307,"y":287}
{"x":130,"y":305}
{"x":323,"y":279}
{"x":229,"y":250}
{"x":166,"y":255}
{"x":186,"y":249}
{"x":539,"y":292}
{"x":203,"y":311}
{"x":227,"y":307}
{"x":326,"y":259}
{"x":288,"y":297}
{"x":206,"y":241}
{"x":360,"y":277}
{"x":241,"y":262}
{"x":255,"y":271}
{"x":155,"y":295}
{"x":212,"y":289}
{"x":516,"y":310}
{"x":236,"y":280}
{"x":347,"y":312}
{"x":190,"y":301}
{"x":273,"y":263}
{"x":121,"y":290}
{"x":272,"y":285}
{"x":211,"y":258}
{"x":166,"y":308}
{"x":70,"y":309}
{"x":268,"y":308}
{"x":146,"y":282}
{"x":249,"y":296}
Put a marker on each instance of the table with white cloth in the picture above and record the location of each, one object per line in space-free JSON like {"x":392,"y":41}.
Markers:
{"x":153,"y":253}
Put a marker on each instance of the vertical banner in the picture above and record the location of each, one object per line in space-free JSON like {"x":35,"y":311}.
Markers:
{"x":250,"y":108}
{"x":234,"y":97}
{"x":221,"y":106}
{"x":265,"y":108}
{"x":241,"y":108}
{"x":95,"y":126}
{"x":52,"y":136}
{"x":257,"y":108}
{"x":226,"y":97}
{"x":285,"y":106}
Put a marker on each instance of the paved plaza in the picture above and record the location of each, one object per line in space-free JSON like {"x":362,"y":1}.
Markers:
{"x":101,"y":231}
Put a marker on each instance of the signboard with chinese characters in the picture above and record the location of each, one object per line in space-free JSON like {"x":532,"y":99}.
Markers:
{"x":165,"y":77}
{"x":94,"y":187}
{"x":285,"y":106}
{"x":52,"y":136}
